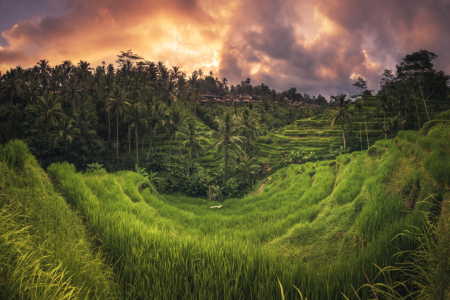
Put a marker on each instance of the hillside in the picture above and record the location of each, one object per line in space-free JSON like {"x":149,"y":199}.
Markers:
{"x":45,"y":249}
{"x":316,"y":135}
{"x":320,"y":227}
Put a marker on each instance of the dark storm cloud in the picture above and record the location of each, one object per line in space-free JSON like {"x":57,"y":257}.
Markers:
{"x":318,"y":46}
{"x":364,"y":37}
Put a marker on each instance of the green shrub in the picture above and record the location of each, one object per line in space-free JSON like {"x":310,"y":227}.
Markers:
{"x":438,"y":165}
{"x":440,"y":131}
{"x":15,"y":153}
{"x":374,"y":151}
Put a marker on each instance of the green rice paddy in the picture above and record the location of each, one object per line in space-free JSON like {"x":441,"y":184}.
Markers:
{"x":319,"y":228}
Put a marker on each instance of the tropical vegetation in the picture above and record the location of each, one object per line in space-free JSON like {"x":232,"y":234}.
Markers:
{"x":122,"y":183}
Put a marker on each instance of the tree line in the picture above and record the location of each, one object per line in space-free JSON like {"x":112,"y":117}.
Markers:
{"x":415,"y":84}
{"x":138,"y":113}
{"x":145,"y":113}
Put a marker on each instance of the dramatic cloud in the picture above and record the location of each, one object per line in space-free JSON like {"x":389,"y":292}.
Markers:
{"x":317,"y":46}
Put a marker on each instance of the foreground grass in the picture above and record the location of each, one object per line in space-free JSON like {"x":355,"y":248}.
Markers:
{"x":45,"y":251}
{"x":318,"y":228}
{"x":321,"y":227}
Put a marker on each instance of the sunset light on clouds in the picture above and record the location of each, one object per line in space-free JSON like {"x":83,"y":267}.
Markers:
{"x":317,"y":46}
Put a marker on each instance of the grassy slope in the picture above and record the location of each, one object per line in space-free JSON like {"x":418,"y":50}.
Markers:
{"x":44,"y":248}
{"x":316,"y":135}
{"x":313,"y":134}
{"x":315,"y":226}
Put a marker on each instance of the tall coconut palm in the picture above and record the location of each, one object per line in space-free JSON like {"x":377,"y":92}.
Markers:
{"x":157,"y":118}
{"x":49,"y":114}
{"x":119,"y":103}
{"x":360,"y":106}
{"x":43,"y":69}
{"x":341,"y":116}
{"x":227,"y":135}
{"x":383,"y":105}
{"x":86,"y":122}
{"x":66,"y":133}
{"x":138,"y":121}
{"x":11,"y":85}
{"x":84,"y":73}
{"x":247,"y":167}
{"x":249,"y":127}
{"x":193,"y":141}
{"x":107,"y":89}
{"x":176,"y":121}
{"x":31,"y":91}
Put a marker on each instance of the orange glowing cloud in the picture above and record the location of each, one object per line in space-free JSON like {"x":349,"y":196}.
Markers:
{"x":175,"y":32}
{"x":314,"y":45}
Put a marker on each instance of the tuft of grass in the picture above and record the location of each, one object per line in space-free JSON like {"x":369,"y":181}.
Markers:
{"x":45,"y":251}
{"x":423,"y":272}
{"x":15,"y":153}
{"x":26,"y":272}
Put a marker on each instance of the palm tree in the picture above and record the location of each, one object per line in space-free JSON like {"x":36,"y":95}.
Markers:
{"x":176,"y":121}
{"x":11,"y":85}
{"x":66,"y":133}
{"x":383,"y":104}
{"x":84,"y":72}
{"x":157,"y":118}
{"x":107,"y":89}
{"x":86,"y":122}
{"x":249,"y":127}
{"x":360,"y":107}
{"x":32,"y":92}
{"x":49,"y":114}
{"x":247,"y":167}
{"x":119,"y":103}
{"x":193,"y":140}
{"x":137,"y":116}
{"x":44,"y":70}
{"x":341,"y":115}
{"x":228,"y":136}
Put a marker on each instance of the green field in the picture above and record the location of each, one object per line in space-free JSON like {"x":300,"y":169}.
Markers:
{"x":319,"y":229}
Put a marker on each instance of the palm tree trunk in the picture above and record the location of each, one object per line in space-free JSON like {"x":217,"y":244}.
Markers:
{"x":151,"y":140}
{"x":129,"y":138}
{"x":117,"y":136}
{"x":367,"y":133}
{"x":50,"y":149}
{"x":360,"y":138}
{"x":73,"y":102}
{"x":190,"y":157}
{"x":175,"y":159}
{"x":417,"y":113}
{"x":109,"y":125}
{"x":225,"y":163}
{"x":170,"y":150}
{"x":424,"y":103}
{"x":343,"y":135}
{"x":137,"y":146}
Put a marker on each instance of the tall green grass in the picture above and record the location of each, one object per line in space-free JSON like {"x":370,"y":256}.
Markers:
{"x":45,"y":251}
{"x":320,"y":227}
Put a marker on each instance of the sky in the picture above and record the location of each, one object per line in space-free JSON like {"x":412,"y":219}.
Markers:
{"x":316,"y":46}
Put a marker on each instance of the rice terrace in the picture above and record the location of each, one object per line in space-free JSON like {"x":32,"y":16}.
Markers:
{"x":137,"y":180}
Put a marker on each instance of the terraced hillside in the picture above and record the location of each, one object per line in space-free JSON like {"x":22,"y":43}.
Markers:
{"x":315,"y":134}
{"x":319,"y":227}
{"x":313,"y":226}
